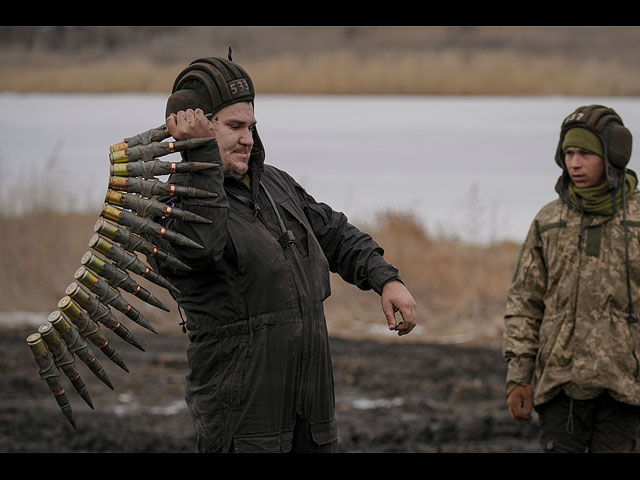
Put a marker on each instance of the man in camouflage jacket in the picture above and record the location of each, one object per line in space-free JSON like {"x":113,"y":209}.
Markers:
{"x":570,"y":323}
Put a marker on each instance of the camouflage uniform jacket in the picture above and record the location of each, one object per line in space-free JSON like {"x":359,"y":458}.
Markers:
{"x":567,"y":308}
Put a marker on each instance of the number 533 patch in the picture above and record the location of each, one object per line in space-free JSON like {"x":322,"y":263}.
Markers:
{"x":239,"y":87}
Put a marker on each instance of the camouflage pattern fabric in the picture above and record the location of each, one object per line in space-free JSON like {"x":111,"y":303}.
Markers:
{"x":566,"y":316}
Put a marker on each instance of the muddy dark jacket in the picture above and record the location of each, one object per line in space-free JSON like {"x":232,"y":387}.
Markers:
{"x":259,"y":354}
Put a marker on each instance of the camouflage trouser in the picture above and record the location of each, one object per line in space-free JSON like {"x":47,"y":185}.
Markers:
{"x":597,"y":425}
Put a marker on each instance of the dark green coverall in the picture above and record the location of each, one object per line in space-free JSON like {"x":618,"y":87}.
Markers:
{"x":259,"y":353}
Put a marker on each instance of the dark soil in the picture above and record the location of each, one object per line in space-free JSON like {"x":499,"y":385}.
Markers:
{"x":390,"y":397}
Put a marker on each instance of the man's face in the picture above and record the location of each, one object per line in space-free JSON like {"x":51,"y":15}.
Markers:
{"x":585,"y":168}
{"x":233,"y":127}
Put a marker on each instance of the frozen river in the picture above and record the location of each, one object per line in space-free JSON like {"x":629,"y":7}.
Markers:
{"x":478,"y":167}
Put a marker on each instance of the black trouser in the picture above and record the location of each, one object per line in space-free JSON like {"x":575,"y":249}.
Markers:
{"x":597,"y":425}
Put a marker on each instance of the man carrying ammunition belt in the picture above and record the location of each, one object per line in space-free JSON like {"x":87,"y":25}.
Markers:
{"x":260,"y":364}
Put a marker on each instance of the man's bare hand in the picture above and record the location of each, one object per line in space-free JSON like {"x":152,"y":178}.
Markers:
{"x":189,"y":124}
{"x":520,"y":403}
{"x":396,"y":298}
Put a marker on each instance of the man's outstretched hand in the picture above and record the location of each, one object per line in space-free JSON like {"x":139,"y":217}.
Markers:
{"x":396,"y":298}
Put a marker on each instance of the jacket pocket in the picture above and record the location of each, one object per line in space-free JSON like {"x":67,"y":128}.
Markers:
{"x":235,"y":245}
{"x":555,"y":341}
{"x":324,"y":432}
{"x":315,"y":260}
{"x":296,"y":224}
{"x":234,"y":352}
{"x":620,"y":344}
{"x":201,"y":395}
{"x":257,"y":443}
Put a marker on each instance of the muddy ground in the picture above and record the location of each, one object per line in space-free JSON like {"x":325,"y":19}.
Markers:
{"x":390,"y":397}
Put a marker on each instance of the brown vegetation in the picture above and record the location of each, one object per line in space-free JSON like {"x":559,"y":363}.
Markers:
{"x":460,"y":289}
{"x":333,"y":60}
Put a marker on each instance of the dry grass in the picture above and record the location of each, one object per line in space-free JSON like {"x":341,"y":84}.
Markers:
{"x":106,"y":76}
{"x":40,"y":253}
{"x":447,"y":72}
{"x":460,"y":289}
{"x":329,"y":60}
